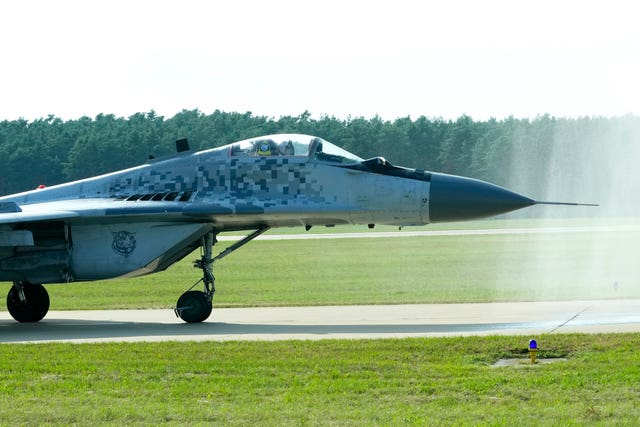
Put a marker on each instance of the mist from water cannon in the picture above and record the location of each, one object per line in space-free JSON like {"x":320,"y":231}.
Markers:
{"x":594,"y":160}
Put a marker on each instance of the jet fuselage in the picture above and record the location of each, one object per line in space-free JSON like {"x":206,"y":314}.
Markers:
{"x":141,"y":220}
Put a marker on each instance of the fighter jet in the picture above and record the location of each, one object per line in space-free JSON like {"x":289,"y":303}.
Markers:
{"x":141,"y":220}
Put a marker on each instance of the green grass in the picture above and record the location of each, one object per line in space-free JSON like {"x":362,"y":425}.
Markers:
{"x":388,"y":270}
{"x":446,"y":381}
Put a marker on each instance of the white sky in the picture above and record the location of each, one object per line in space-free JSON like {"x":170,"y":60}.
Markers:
{"x":342,"y":58}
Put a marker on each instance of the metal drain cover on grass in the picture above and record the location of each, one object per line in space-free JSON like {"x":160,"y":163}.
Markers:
{"x":526,"y":362}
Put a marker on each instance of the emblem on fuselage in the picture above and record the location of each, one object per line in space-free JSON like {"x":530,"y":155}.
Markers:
{"x":124,"y":243}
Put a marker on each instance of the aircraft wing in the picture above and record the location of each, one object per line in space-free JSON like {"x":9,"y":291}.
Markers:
{"x":35,"y":216}
{"x":84,"y":210}
{"x":239,"y":215}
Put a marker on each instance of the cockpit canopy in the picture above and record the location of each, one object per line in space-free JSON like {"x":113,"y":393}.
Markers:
{"x":292,"y":145}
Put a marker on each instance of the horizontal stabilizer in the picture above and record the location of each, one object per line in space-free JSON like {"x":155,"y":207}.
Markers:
{"x":565,"y":203}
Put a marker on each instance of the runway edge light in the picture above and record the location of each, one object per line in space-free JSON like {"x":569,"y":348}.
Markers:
{"x":533,"y":350}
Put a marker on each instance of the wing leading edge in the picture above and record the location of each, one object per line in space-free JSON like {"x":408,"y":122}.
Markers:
{"x":86,"y":210}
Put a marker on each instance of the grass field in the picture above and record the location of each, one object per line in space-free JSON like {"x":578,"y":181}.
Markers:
{"x":443,"y":381}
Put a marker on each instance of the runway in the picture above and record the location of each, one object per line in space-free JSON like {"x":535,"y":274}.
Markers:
{"x":335,"y":322}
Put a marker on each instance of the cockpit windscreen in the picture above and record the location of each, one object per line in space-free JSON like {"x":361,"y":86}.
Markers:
{"x":293,"y":145}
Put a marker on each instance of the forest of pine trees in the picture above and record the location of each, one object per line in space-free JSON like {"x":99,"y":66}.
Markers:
{"x":510,"y":152}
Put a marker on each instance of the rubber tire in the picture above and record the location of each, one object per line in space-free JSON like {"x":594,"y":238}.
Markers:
{"x":36,"y":306}
{"x":194,"y":307}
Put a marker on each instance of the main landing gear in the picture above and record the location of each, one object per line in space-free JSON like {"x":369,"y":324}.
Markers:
{"x":195,"y":306}
{"x":27,"y":302}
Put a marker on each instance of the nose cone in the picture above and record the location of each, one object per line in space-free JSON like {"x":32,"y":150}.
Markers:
{"x":456,"y":198}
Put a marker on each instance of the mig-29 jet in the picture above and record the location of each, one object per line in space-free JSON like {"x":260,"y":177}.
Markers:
{"x":143,"y":219}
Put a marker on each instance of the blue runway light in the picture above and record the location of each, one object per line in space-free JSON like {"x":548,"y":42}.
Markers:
{"x":533,"y":350}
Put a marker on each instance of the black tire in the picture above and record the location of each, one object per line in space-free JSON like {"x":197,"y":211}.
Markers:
{"x":36,"y":306}
{"x":194,"y":306}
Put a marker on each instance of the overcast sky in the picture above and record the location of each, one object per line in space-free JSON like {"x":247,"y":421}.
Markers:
{"x":340,"y":58}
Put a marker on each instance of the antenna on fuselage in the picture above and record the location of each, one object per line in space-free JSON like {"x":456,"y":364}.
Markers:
{"x":182,"y":145}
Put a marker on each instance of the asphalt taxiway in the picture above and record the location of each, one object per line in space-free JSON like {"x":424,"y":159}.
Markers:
{"x":335,"y":322}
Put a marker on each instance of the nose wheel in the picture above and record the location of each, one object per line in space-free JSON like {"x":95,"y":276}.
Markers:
{"x":195,"y":306}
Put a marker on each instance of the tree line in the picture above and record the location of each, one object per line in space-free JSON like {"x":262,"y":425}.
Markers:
{"x":512,"y":151}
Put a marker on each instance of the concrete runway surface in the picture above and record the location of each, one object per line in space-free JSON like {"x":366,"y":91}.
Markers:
{"x":312,"y":323}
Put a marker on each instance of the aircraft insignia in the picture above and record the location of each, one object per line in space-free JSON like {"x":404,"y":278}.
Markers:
{"x":124,"y":243}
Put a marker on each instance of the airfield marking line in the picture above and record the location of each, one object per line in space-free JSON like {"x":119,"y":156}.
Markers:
{"x":482,"y":232}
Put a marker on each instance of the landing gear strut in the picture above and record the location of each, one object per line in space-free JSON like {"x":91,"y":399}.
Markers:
{"x":27,"y":302}
{"x":195,"y":306}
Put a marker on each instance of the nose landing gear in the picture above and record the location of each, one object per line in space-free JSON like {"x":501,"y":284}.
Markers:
{"x":195,"y":306}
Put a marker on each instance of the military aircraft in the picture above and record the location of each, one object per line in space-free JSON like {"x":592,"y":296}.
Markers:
{"x":142,"y":220}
